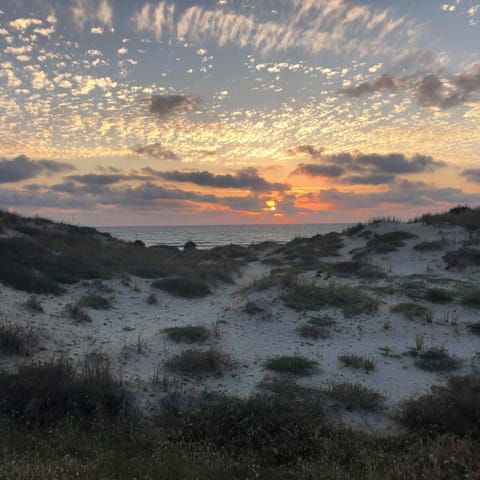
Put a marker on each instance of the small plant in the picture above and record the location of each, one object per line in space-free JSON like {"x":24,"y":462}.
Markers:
{"x":355,"y":396}
{"x":474,"y":328}
{"x":188,"y":333}
{"x":17,"y":340}
{"x":95,"y":301}
{"x":183,"y":287}
{"x":33,"y":303}
{"x":294,"y":365}
{"x":357,"y":362}
{"x":312,"y":331}
{"x":413,"y":311}
{"x":429,"y":246}
{"x":78,"y":313}
{"x":199,"y":362}
{"x":438,"y":295}
{"x":152,"y":299}
{"x":452,"y":409}
{"x":437,"y":360}
{"x":472,"y":298}
{"x":419,"y":341}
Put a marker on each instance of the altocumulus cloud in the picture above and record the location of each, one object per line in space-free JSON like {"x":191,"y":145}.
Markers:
{"x":155,"y":150}
{"x":22,"y":168}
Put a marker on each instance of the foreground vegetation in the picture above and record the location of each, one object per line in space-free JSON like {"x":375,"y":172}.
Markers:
{"x":83,"y":427}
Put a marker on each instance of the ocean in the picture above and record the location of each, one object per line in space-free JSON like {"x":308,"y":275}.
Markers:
{"x":208,"y":236}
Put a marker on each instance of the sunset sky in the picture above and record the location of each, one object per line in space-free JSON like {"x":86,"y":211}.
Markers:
{"x":238,"y":111}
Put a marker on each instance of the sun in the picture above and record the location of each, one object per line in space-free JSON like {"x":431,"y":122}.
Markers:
{"x":272,"y":205}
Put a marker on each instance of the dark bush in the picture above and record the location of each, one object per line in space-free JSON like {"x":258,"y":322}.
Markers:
{"x":183,"y":287}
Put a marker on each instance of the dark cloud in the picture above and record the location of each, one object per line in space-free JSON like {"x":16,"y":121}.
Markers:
{"x":402,"y":193}
{"x":247,"y":178}
{"x":22,"y":168}
{"x":372,"y":168}
{"x":315,"y":170}
{"x":163,"y":105}
{"x":429,"y":88}
{"x":156,"y":150}
{"x":397,"y":163}
{"x":305,"y":149}
{"x":472,"y":174}
{"x":384,"y":82}
{"x":373,"y":179}
{"x":99,"y":179}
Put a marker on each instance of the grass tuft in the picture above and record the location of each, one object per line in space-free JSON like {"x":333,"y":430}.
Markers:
{"x":183,"y":287}
{"x":200,"y":362}
{"x":437,"y":360}
{"x":17,"y":340}
{"x":188,"y":333}
{"x":95,"y":301}
{"x":357,"y":362}
{"x":294,"y":365}
{"x":355,"y":396}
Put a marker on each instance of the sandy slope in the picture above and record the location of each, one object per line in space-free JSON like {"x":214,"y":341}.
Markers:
{"x":131,"y":334}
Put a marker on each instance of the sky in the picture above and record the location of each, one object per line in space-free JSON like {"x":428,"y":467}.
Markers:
{"x":238,"y":111}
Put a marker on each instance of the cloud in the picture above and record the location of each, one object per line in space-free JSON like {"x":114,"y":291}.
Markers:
{"x":100,"y":179}
{"x":384,"y":82}
{"x":373,"y":179}
{"x":247,"y":178}
{"x":156,"y":150}
{"x":163,"y":105}
{"x":375,"y":168}
{"x":24,"y":23}
{"x":22,"y":168}
{"x":472,"y":174}
{"x":305,"y":149}
{"x":315,"y":170}
{"x":311,"y":25}
{"x":428,"y":88}
{"x":92,"y":11}
{"x":403,"y":193}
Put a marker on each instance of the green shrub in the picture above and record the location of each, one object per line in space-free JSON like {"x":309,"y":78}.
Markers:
{"x":412,"y":311}
{"x":357,"y":362}
{"x":429,"y":246}
{"x":389,"y":242}
{"x":453,"y":408}
{"x":97,"y":302}
{"x":49,"y":392}
{"x":183,"y":287}
{"x":78,"y":313}
{"x":188,"y":333}
{"x":355,"y":396}
{"x":312,"y":331}
{"x":352,"y":300}
{"x":437,"y":360}
{"x":472,"y":297}
{"x":474,"y":327}
{"x":199,"y":362}
{"x":17,"y":340}
{"x":438,"y":295}
{"x":295,"y":365}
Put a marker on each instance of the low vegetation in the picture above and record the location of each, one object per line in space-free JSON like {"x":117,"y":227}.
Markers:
{"x":462,"y":215}
{"x":474,"y":328}
{"x":47,"y":392}
{"x":412,"y":311}
{"x":183,"y":287}
{"x":34,"y":304}
{"x":96,"y":302}
{"x":357,"y":362}
{"x":430,"y":246}
{"x":17,"y":340}
{"x":472,"y":298}
{"x":351,"y":300}
{"x":200,"y":362}
{"x":354,"y":396}
{"x":188,"y":333}
{"x":294,"y":365}
{"x":78,"y":313}
{"x":453,"y":408}
{"x":436,"y":360}
{"x":389,"y":242}
{"x":438,"y":295}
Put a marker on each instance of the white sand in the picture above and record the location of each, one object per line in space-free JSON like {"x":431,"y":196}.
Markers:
{"x":132,"y":336}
